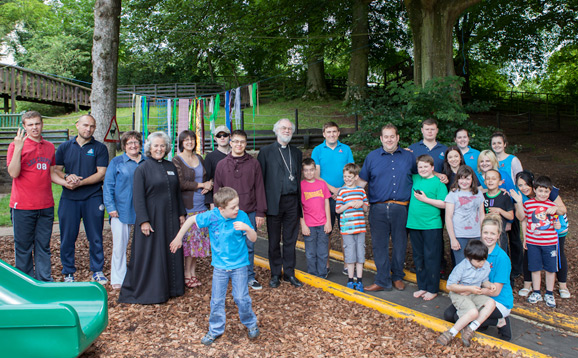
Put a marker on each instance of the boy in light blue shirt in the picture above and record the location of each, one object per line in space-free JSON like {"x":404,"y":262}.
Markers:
{"x":228,"y":227}
{"x":469,"y":276}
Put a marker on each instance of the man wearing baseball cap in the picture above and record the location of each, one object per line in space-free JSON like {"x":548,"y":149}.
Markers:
{"x":222,"y":136}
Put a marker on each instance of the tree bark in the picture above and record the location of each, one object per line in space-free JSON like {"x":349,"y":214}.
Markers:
{"x":359,"y":64}
{"x":431,"y":23}
{"x":316,"y":86}
{"x":105,"y":66}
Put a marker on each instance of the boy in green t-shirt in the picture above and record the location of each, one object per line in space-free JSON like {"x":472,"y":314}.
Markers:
{"x":425,"y":227}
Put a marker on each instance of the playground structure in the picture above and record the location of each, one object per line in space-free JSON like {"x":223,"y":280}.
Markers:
{"x":46,"y":319}
{"x":22,"y":84}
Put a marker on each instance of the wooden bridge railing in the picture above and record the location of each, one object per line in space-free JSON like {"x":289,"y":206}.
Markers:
{"x":17,"y":83}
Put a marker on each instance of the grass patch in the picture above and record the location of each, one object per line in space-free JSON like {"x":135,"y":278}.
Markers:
{"x":5,"y":206}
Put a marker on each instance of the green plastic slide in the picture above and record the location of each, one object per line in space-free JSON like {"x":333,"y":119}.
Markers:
{"x":48,"y":319}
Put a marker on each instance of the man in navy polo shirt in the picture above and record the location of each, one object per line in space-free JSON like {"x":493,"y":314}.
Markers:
{"x":388,"y":172}
{"x":82,"y":162}
{"x":429,"y":145}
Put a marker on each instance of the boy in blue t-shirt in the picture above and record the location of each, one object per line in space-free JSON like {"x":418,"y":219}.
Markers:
{"x":228,"y":227}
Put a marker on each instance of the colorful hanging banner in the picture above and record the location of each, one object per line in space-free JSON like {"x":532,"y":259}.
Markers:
{"x":228,"y":110}
{"x":237,"y":108}
{"x":254,"y":95}
{"x":183,"y":115}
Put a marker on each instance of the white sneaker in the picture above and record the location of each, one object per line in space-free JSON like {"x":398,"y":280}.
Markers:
{"x":535,"y":297}
{"x":550,"y":301}
{"x":69,"y":278}
{"x":99,"y":277}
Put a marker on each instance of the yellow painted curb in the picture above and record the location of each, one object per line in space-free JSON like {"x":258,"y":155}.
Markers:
{"x":397,"y":311}
{"x":553,"y":318}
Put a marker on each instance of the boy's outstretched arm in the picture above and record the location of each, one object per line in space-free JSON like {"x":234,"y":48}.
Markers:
{"x":251,"y":234}
{"x":178,"y":240}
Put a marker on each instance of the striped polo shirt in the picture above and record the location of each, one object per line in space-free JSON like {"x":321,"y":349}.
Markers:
{"x":352,"y":221}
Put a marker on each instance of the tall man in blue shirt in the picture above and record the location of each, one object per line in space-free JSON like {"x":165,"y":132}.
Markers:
{"x":429,"y":145}
{"x":388,"y":171}
{"x":330,"y":157}
{"x":82,"y":162}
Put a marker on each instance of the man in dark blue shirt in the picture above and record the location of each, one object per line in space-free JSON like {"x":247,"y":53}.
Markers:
{"x":82,"y":162}
{"x":429,"y":145}
{"x":388,"y":172}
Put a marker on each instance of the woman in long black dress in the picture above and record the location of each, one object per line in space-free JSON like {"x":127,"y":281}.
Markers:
{"x":155,"y":274}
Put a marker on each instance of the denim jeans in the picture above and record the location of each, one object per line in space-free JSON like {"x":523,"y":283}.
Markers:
{"x":251,"y":247}
{"x":32,"y":232}
{"x":385,"y":220}
{"x":241,"y":296}
{"x":316,"y":251}
{"x":459,"y":254}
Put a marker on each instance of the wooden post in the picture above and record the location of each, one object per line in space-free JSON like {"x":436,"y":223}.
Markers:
{"x":12,"y":90}
{"x":296,"y":120}
{"x":6,"y":105}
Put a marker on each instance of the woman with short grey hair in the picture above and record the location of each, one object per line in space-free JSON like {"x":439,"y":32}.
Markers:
{"x":155,"y":274}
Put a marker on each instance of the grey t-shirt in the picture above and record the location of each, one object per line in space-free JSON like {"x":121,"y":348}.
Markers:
{"x":466,"y":218}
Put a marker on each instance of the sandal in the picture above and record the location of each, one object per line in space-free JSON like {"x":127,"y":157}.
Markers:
{"x":564,"y":293}
{"x":188,"y":282}
{"x":524,"y":292}
{"x":194,"y":281}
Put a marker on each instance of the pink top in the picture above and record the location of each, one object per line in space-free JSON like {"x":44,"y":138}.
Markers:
{"x":313,"y":196}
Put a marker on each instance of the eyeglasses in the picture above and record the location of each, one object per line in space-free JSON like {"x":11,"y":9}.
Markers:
{"x":133,"y":142}
{"x":241,"y":142}
{"x":222,"y":135}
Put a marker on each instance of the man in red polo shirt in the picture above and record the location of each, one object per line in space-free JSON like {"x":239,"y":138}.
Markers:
{"x":30,"y":162}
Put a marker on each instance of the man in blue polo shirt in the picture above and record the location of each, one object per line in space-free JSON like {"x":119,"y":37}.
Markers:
{"x":330,"y":157}
{"x":82,"y":162}
{"x":388,"y":172}
{"x":429,"y":145}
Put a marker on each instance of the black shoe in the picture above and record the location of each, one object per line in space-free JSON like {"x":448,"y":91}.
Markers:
{"x":293,"y":281}
{"x":505,"y":332}
{"x":275,"y":281}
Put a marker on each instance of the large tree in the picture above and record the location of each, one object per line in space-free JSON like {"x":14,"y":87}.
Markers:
{"x":431,"y":23}
{"x":104,"y":65}
{"x":359,"y":65}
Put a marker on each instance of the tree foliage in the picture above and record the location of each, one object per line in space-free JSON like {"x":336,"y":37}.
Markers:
{"x":407,"y":106}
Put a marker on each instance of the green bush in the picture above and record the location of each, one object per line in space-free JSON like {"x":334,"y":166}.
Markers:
{"x":407,"y":106}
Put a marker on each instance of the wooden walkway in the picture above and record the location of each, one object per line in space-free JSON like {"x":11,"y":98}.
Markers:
{"x":21,"y":84}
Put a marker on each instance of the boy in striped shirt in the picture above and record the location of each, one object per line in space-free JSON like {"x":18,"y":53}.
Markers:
{"x":541,"y":240}
{"x":352,"y":204}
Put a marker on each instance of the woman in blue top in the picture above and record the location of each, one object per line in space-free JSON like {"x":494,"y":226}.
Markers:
{"x":525,"y":183}
{"x":499,"y":276}
{"x":117,"y":194}
{"x":487,"y":160}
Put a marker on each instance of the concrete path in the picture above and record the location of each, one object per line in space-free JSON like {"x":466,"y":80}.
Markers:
{"x":543,"y":339}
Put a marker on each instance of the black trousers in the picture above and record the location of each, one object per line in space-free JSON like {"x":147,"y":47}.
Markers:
{"x":285,"y":224}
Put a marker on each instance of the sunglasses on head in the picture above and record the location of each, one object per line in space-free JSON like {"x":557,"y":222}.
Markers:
{"x":222,"y":135}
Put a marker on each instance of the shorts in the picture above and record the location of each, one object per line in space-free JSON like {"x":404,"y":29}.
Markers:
{"x":354,"y":248}
{"x":542,"y":258}
{"x":464,"y":304}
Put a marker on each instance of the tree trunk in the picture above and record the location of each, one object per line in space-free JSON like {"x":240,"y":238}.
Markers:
{"x":316,"y":86}
{"x":359,"y":65}
{"x":431,"y":23}
{"x":105,"y":66}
